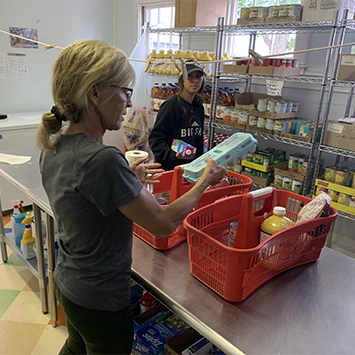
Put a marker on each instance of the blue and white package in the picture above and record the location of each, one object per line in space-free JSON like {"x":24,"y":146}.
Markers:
{"x":236,"y":146}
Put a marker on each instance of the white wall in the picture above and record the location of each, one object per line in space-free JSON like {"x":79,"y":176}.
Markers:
{"x":58,"y":22}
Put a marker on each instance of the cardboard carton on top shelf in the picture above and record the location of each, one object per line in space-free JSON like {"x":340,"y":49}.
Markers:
{"x":340,"y":135}
{"x":270,"y":70}
{"x":283,"y":19}
{"x":346,"y":70}
{"x":273,"y":115}
{"x":248,"y":21}
{"x":320,"y":10}
{"x":249,"y":100}
{"x":199,"y":13}
{"x":232,"y":68}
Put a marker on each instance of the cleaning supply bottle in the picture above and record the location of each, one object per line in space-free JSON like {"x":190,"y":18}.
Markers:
{"x":275,"y":223}
{"x":16,"y":221}
{"x":28,"y":241}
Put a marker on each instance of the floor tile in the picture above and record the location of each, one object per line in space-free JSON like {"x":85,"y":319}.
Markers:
{"x":17,"y":338}
{"x":13,"y":260}
{"x":6,"y":299}
{"x":26,"y":308}
{"x":32,"y":285}
{"x":51,"y":341}
{"x":14,"y":277}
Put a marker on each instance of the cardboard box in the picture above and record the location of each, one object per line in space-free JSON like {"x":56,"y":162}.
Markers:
{"x":282,"y":170}
{"x":259,"y":180}
{"x":232,"y":68}
{"x":190,"y":342}
{"x":230,"y":124}
{"x":297,"y":138}
{"x":340,"y":135}
{"x":258,"y":129}
{"x":321,"y":10}
{"x":270,"y":70}
{"x":346,"y":70}
{"x":249,"y":100}
{"x":199,"y":13}
{"x":150,"y":317}
{"x":283,"y":19}
{"x":273,"y":115}
{"x":249,"y":21}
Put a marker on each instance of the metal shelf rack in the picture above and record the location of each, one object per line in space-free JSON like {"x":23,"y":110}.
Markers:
{"x":337,"y":151}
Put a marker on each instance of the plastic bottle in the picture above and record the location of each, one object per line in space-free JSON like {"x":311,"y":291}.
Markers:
{"x":28,"y":240}
{"x":154,"y":96}
{"x":146,"y":301}
{"x":168,"y":64}
{"x":170,"y":91}
{"x":275,"y":223}
{"x":188,"y":55}
{"x":161,"y":97}
{"x":205,"y":57}
{"x":16,"y":221}
{"x":153,"y":61}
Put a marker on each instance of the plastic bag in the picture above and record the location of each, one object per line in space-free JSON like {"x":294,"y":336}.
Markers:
{"x":318,"y":207}
{"x":139,"y":119}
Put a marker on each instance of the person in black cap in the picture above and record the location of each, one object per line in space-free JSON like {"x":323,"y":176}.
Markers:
{"x":180,"y":117}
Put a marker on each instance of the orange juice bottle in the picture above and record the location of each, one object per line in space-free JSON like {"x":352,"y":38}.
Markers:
{"x":161,"y":97}
{"x":170,"y":91}
{"x":154,"y":96}
{"x":167,"y":66}
{"x":276,"y":223}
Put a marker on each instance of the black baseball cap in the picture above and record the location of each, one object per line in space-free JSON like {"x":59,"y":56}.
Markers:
{"x":192,"y":66}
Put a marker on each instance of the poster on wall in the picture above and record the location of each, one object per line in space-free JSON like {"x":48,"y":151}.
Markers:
{"x":29,"y":33}
{"x":17,"y":66}
{"x":2,"y":66}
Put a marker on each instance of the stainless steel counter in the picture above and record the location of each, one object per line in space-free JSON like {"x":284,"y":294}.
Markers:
{"x":306,"y":310}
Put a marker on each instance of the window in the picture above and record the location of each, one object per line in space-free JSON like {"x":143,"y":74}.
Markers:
{"x":161,"y":16}
{"x":265,"y":44}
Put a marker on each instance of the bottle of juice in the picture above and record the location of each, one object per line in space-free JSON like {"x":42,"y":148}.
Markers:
{"x":188,"y":55}
{"x":205,"y":57}
{"x":160,"y":61}
{"x":276,"y":223}
{"x":154,"y":96}
{"x":153,"y":61}
{"x":161,"y":95}
{"x":170,"y":91}
{"x":196,"y":55}
{"x":177,"y":56}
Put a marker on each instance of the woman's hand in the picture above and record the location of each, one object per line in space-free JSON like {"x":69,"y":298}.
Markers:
{"x":178,"y":156}
{"x":146,"y":173}
{"x":213,"y":173}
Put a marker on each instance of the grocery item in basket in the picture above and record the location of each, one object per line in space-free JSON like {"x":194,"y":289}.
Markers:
{"x":232,"y":233}
{"x":274,"y":224}
{"x":278,"y":180}
{"x":223,"y":183}
{"x":342,"y":177}
{"x":187,"y":150}
{"x":344,"y":199}
{"x":333,"y":195}
{"x":236,"y":146}
{"x":318,"y":207}
{"x":287,"y":183}
{"x":329,"y":174}
{"x":320,"y":190}
{"x":297,"y":186}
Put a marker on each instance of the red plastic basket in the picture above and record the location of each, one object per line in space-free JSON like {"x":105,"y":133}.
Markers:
{"x":235,"y":273}
{"x":173,"y":182}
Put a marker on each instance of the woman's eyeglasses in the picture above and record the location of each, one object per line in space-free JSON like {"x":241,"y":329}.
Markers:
{"x":127,"y":91}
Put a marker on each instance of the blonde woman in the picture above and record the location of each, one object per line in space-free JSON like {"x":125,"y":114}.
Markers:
{"x":96,"y":196}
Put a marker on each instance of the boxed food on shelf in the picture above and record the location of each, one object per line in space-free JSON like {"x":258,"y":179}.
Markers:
{"x":272,"y":70}
{"x":263,"y":181}
{"x":252,"y":15}
{"x":231,"y":124}
{"x":340,"y":135}
{"x":189,"y":342}
{"x":249,"y":100}
{"x":346,"y":70}
{"x":235,"y":68}
{"x":199,"y":13}
{"x":273,"y":115}
{"x":320,"y":10}
{"x":284,"y":13}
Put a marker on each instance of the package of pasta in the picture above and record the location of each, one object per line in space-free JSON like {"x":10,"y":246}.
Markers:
{"x":318,"y":207}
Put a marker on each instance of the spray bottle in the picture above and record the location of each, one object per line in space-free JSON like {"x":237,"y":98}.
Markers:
{"x":28,"y":241}
{"x":16,"y":221}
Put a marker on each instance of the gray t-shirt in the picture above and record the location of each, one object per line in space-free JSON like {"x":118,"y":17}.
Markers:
{"x":86,"y":182}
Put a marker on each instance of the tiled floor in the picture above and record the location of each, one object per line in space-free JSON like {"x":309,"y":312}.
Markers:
{"x":24,"y":329}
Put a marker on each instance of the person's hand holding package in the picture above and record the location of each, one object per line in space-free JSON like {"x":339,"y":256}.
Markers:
{"x":146,"y":173}
{"x":213,"y":173}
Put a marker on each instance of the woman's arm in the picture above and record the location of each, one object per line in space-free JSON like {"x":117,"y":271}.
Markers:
{"x":162,"y":221}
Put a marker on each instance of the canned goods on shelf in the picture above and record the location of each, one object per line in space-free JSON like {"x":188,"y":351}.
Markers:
{"x":287,"y":183}
{"x":295,"y":106}
{"x":289,"y":105}
{"x":283,"y":63}
{"x":271,"y":106}
{"x":344,"y":199}
{"x":253,"y":121}
{"x":245,"y":12}
{"x":334,"y":195}
{"x":297,"y":186}
{"x":295,"y":63}
{"x":278,"y":180}
{"x":329,"y":174}
{"x":289,"y":63}
{"x":276,"y":62}
{"x":261,"y":122}
{"x":273,"y":11}
{"x":243,"y":117}
{"x":320,"y":189}
{"x":283,"y":10}
{"x":294,"y":10}
{"x":270,"y":124}
{"x":262,"y":104}
{"x":227,"y":114}
{"x":258,"y":12}
{"x":280,"y":107}
{"x":234,"y":115}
